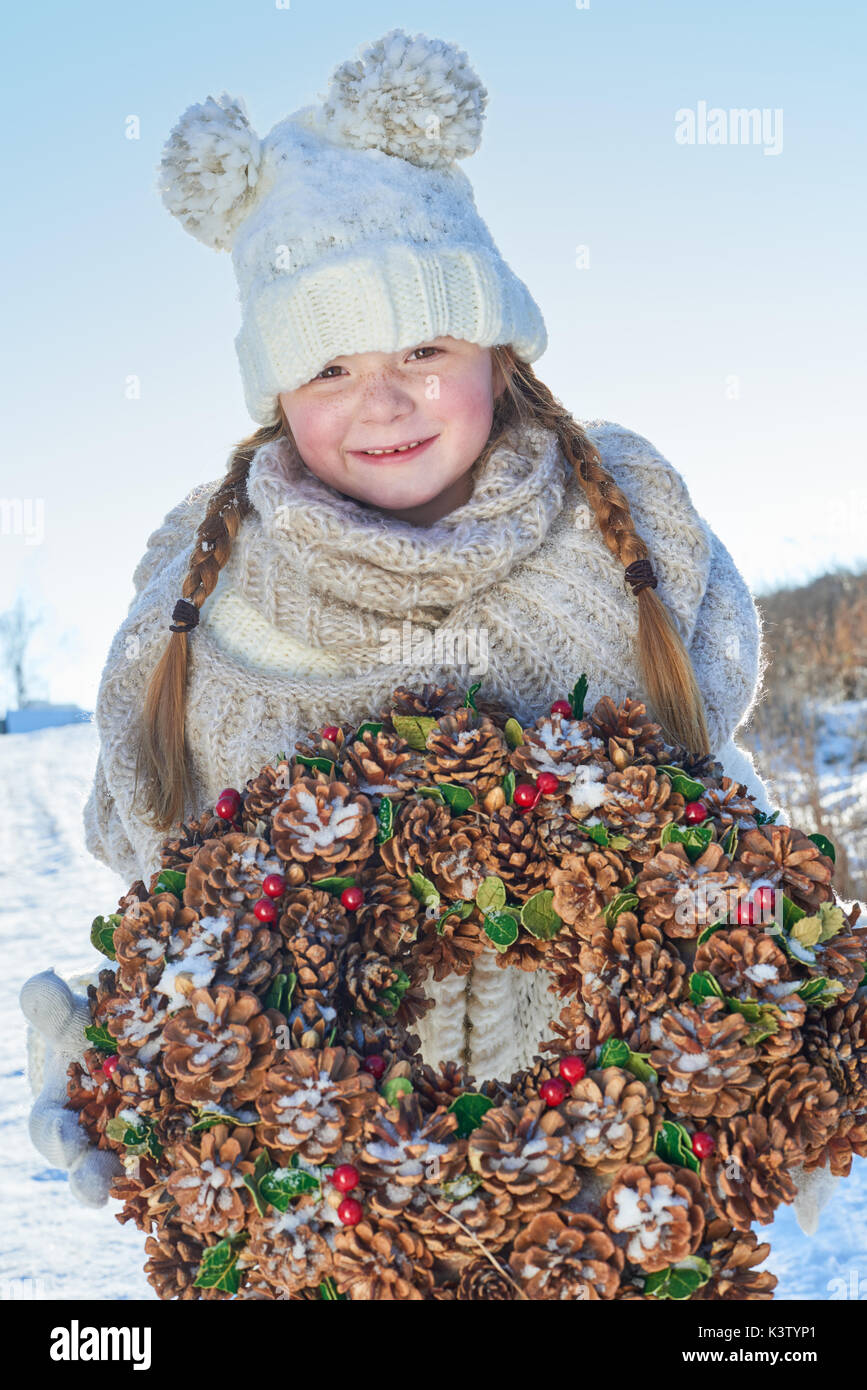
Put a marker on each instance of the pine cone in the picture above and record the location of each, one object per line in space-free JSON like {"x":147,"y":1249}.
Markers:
{"x":92,"y":1095}
{"x":802,"y":1097}
{"x":705,"y":1067}
{"x":746,"y":1177}
{"x":174,"y":1257}
{"x":638,"y":804}
{"x":612,"y":1117}
{"x":525,"y":1152}
{"x":657,"y":1212}
{"x":657,"y":975}
{"x":559,"y":745}
{"x":135,"y":1019}
{"x":291,"y":1248}
{"x":207,"y":1180}
{"x":467,"y":748}
{"x":382,"y":1261}
{"x":145,"y":1197}
{"x":316,"y":962}
{"x":142,"y":937}
{"x":313,"y":1102}
{"x":377,"y":985}
{"x":313,"y":914}
{"x":703,"y":767}
{"x":219,"y":1046}
{"x":388,"y":919}
{"x":324,"y":826}
{"x":837,"y":1041}
{"x":402,"y":1148}
{"x":482,"y":1282}
{"x":749,"y":965}
{"x":432,"y":701}
{"x":371,"y":1037}
{"x":630,"y":735}
{"x":559,"y":831}
{"x":452,"y":947}
{"x":418,"y":824}
{"x":682,"y":897}
{"x":457,"y":860}
{"x":439,"y":1086}
{"x":513,"y":851}
{"x":733,"y":1256}
{"x":583,"y":886}
{"x":441,"y":1214}
{"x":849,"y":1141}
{"x":381,"y":764}
{"x":265,"y":791}
{"x":789,"y":859}
{"x":566,"y":1255}
{"x":186,"y":839}
{"x":226,"y":874}
{"x":729,"y":805}
{"x":245,"y":953}
{"x":575,"y":1033}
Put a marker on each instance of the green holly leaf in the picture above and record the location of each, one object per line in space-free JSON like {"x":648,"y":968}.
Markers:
{"x":457,"y":798}
{"x":687,"y":786}
{"x":358,"y":736}
{"x":639,"y":1065}
{"x":820,"y":992}
{"x":426,"y":892}
{"x":491,"y":893}
{"x":139,"y":1139}
{"x":598,"y":833}
{"x":708,"y":932}
{"x":538,"y":916}
{"x":765,"y":1019}
{"x":613,"y":1053}
{"x":413,"y":729}
{"x":385,"y":820}
{"x":318,"y":764}
{"x":253,"y":1180}
{"x":280,"y":992}
{"x":763,"y":819}
{"x":394,"y":1088}
{"x":219,"y":1266}
{"x":462,"y":908}
{"x":703,"y":985}
{"x":335,"y":883}
{"x":100,"y":1038}
{"x":624,"y":902}
{"x":278,"y":1186}
{"x":514,"y":733}
{"x":435,"y":793}
{"x":673,"y":1144}
{"x":470,"y":702}
{"x":390,"y":999}
{"x":729,"y":841}
{"x":102,"y":934}
{"x":171,"y":881}
{"x":679,"y":1281}
{"x":508,"y":785}
{"x":464,"y":1185}
{"x":470,"y":1109}
{"x":209,"y":1118}
{"x":791,"y":914}
{"x":694,"y":838}
{"x":619,"y":842}
{"x":501,"y":929}
{"x":577,"y":697}
{"x":328,"y":1292}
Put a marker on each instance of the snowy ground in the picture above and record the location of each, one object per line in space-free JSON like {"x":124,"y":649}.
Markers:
{"x":52,"y":1248}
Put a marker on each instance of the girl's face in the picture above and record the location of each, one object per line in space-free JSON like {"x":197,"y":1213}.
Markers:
{"x":439,"y":396}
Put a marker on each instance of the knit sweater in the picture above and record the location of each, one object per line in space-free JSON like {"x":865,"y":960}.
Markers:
{"x":325,"y":606}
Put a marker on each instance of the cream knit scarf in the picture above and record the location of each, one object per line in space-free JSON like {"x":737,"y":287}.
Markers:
{"x":331,"y":573}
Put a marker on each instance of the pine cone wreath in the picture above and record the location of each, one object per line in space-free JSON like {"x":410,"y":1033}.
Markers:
{"x":254,"y":1065}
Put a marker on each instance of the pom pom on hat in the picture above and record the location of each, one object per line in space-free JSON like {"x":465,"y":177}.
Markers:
{"x":410,"y":96}
{"x":209,"y":170}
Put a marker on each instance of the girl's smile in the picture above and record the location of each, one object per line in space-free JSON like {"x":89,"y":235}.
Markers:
{"x":394,"y":453}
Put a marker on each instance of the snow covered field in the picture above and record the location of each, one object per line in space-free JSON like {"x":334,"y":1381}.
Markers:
{"x":51,"y":1247}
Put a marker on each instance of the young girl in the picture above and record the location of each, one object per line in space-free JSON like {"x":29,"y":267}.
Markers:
{"x":411,"y":480}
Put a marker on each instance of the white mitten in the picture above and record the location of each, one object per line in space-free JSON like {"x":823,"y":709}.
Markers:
{"x":815,"y":1190}
{"x":56,"y":1038}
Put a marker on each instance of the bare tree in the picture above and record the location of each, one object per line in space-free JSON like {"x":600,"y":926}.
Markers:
{"x":16,"y":628}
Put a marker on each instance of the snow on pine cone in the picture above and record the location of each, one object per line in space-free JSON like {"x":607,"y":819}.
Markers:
{"x":252,"y":1058}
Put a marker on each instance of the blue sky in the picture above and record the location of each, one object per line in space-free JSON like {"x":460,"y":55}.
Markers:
{"x":720,"y":313}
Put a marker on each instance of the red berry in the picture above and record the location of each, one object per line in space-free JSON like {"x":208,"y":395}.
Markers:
{"x":703,"y":1144}
{"x":526,"y":795}
{"x":109,"y":1066}
{"x":745,"y":912}
{"x":345,"y":1177}
{"x":274,"y":885}
{"x":553,"y":1092}
{"x":694,"y":812}
{"x":265,"y":910}
{"x":547,"y":782}
{"x":330,"y":732}
{"x":764,"y":899}
{"x":228,"y":804}
{"x":562,"y":707}
{"x":350,"y":1211}
{"x":375,"y":1065}
{"x":572,"y":1069}
{"x":352,"y":898}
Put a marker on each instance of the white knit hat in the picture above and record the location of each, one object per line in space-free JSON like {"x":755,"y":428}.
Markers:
{"x":351,"y":227}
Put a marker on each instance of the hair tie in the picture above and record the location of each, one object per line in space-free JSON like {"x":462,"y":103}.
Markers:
{"x":640,"y":575}
{"x":185,"y":615}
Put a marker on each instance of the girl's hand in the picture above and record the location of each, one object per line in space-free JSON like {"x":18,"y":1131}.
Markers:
{"x":58,"y":1019}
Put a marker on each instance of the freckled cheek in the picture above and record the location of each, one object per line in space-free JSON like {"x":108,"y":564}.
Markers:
{"x":319,"y":436}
